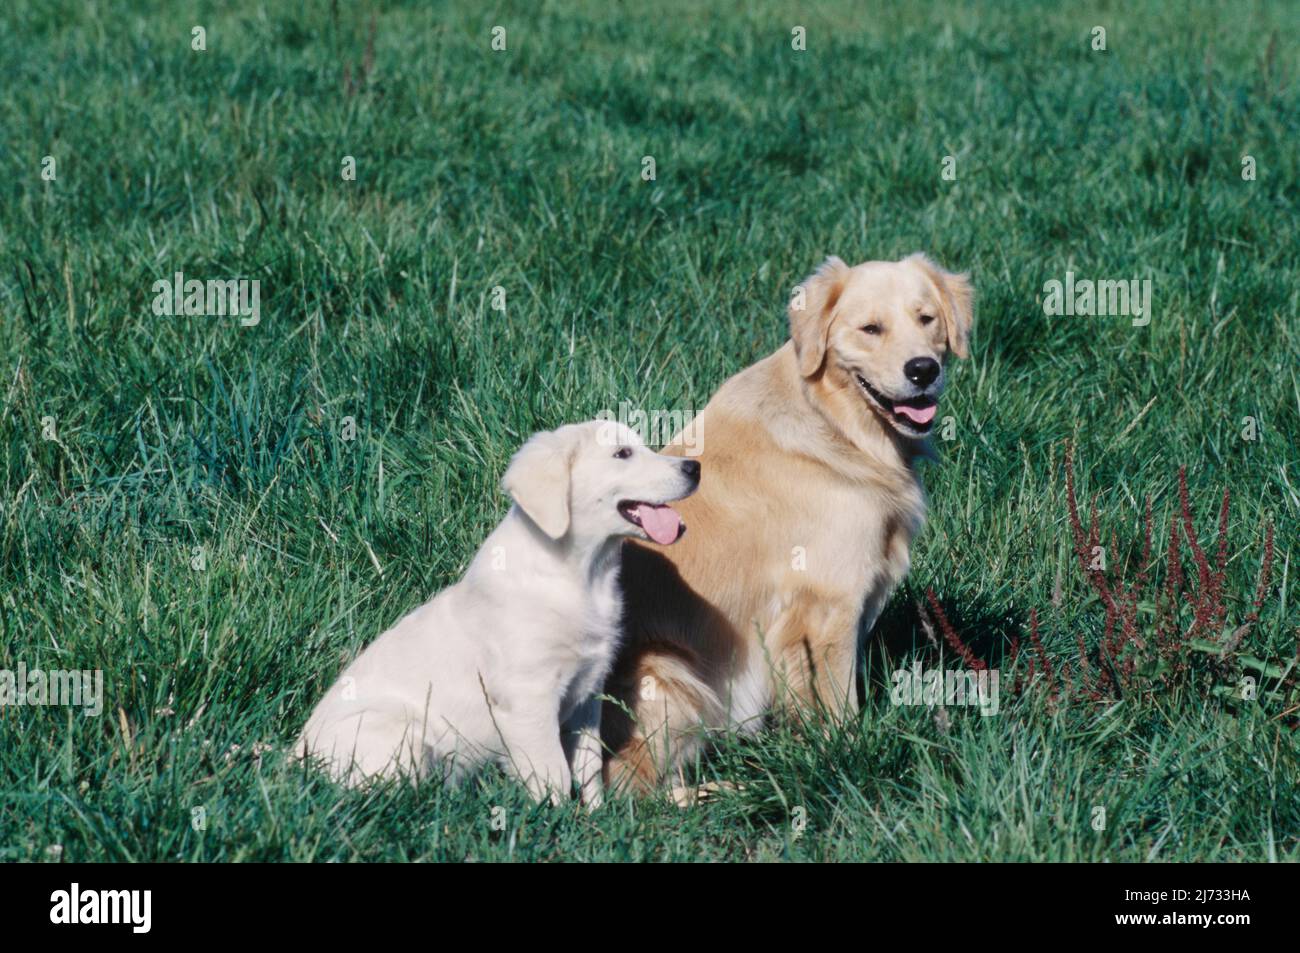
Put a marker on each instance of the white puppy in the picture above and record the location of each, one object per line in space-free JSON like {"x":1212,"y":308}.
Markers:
{"x":504,"y":665}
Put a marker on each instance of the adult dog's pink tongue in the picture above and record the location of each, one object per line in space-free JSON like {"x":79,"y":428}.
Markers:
{"x":920,"y":415}
{"x":661,"y":522}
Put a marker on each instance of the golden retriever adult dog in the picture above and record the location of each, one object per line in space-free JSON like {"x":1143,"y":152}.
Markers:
{"x":803,"y":526}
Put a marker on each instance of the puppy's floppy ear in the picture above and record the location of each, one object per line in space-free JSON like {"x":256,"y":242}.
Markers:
{"x":538,"y":481}
{"x":810,"y":313}
{"x":958,"y":303}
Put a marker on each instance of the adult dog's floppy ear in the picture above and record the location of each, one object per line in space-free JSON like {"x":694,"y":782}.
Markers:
{"x":810,"y":313}
{"x":538,"y":481}
{"x":958,"y":303}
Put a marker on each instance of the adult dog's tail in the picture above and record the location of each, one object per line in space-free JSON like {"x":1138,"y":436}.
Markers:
{"x":658,"y":722}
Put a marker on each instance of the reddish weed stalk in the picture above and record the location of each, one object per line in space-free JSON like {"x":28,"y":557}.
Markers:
{"x":1132,"y":656}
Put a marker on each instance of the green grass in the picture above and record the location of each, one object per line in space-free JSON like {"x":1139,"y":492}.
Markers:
{"x":521,"y":169}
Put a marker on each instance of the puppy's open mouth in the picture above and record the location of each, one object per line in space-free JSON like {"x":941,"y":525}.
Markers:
{"x":660,"y":522}
{"x":915,"y":414}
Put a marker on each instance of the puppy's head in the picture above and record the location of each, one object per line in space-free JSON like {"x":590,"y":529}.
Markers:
{"x":595,"y":480}
{"x":886,"y":329}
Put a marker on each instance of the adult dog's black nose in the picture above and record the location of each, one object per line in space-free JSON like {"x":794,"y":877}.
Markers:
{"x":921,"y":371}
{"x":692,"y":469}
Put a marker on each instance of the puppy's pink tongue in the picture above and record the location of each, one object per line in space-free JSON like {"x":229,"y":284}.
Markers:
{"x":661,"y":522}
{"x":920,"y":415}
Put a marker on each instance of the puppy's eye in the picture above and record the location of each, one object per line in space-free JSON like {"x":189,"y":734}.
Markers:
{"x":871,"y":329}
{"x":927,"y":319}
{"x":622,"y":453}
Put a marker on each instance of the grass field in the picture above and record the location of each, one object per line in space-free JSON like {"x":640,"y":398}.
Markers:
{"x":180,"y":509}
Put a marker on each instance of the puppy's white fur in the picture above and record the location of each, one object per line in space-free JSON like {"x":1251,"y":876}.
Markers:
{"x":503,"y":666}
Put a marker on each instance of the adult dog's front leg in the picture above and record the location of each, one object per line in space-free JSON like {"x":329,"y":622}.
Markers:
{"x":814,"y":648}
{"x":586,"y":755}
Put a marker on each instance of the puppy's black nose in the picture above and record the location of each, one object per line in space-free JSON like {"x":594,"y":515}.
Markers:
{"x":692,"y":469}
{"x":921,"y":371}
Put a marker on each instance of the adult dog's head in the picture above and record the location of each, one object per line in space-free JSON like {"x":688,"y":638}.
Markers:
{"x":883,"y":328}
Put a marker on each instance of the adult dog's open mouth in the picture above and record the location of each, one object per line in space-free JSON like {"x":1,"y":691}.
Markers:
{"x":659,"y":521}
{"x":915,"y":414}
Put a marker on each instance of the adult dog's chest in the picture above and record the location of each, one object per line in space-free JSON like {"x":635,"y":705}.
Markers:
{"x":836,"y":551}
{"x":849,"y":541}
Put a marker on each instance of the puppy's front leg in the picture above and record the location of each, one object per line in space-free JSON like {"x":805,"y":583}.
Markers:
{"x":535,"y":756}
{"x":582,"y":738}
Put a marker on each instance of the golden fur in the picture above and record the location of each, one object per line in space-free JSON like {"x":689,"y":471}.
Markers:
{"x":802,"y":525}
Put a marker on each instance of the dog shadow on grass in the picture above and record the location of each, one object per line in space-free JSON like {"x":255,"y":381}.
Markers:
{"x":907,"y":630}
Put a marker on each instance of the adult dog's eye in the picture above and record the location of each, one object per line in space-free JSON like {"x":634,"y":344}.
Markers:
{"x":872,"y":329}
{"x":927,"y":319}
{"x":622,"y":453}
